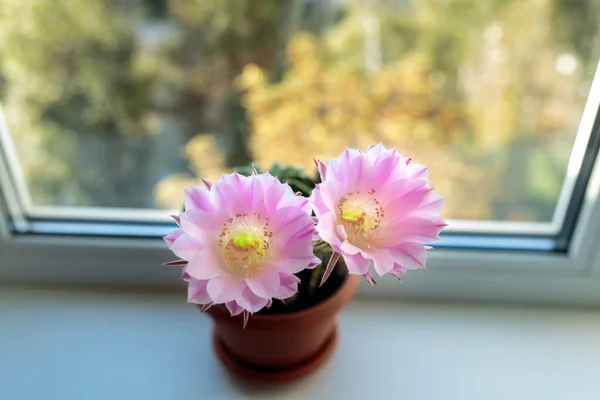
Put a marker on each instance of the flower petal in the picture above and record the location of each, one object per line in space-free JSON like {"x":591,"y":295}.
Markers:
{"x":356,"y":264}
{"x":410,"y":229}
{"x":249,"y":191}
{"x":331,"y":193}
{"x":222,"y":289}
{"x":184,"y":275}
{"x":349,"y":248}
{"x":303,"y":203}
{"x":404,"y":197}
{"x":410,"y":255}
{"x":397,"y":271}
{"x":273,"y":195}
{"x":255,"y":197}
{"x":197,"y":293}
{"x":390,"y":164}
{"x":340,"y":169}
{"x":266,"y":284}
{"x":317,"y":203}
{"x":186,"y":247}
{"x":389,"y":168}
{"x":249,"y":301}
{"x":431,"y":205}
{"x":172,"y":236}
{"x":383,"y":261}
{"x":416,"y":171}
{"x":314,"y":262}
{"x":285,"y":292}
{"x":207,"y":183}
{"x":288,"y":286}
{"x":327,"y":229}
{"x":204,"y":265}
{"x":322,"y":167}
{"x":197,"y":197}
{"x":176,"y":263}
{"x":234,"y":308}
{"x":176,"y":219}
{"x":293,"y":265}
{"x":267,"y":180}
{"x":369,"y":278}
{"x":331,"y":264}
{"x":291,"y":223}
{"x":375,"y":151}
{"x":201,"y":225}
{"x":225,"y":197}
{"x":280,"y":195}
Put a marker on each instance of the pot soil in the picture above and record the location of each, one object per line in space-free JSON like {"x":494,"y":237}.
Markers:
{"x":277,"y":345}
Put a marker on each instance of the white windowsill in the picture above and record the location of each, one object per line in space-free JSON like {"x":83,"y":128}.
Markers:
{"x":114,"y":345}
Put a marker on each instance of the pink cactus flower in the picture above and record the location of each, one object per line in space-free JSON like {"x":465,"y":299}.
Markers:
{"x":376,"y":207}
{"x":243,"y":238}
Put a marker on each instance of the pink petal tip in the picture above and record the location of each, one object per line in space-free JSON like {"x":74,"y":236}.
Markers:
{"x":246,"y":316}
{"x":330,"y":265}
{"x":208,"y":184}
{"x":176,"y":262}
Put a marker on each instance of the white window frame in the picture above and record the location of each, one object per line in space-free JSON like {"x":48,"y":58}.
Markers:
{"x":571,"y":278}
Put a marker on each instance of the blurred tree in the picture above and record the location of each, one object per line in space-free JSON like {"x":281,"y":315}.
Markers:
{"x":470,"y":88}
{"x":330,"y":105}
{"x":215,"y":41}
{"x":576,"y":27}
{"x":75,"y":97}
{"x":116,"y":88}
{"x":101,"y":97}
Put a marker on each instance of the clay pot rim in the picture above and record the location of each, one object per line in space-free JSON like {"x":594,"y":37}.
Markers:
{"x":330,"y":305}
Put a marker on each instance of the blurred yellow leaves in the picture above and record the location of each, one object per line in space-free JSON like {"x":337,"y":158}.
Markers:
{"x":207,"y":161}
{"x":471,"y":91}
{"x":168,"y":191}
{"x":320,"y":107}
{"x":205,"y":156}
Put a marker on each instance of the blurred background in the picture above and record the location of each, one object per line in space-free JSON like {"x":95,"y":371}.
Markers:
{"x":124,"y":103}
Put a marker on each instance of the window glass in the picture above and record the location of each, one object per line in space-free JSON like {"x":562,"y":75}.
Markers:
{"x":125,"y":103}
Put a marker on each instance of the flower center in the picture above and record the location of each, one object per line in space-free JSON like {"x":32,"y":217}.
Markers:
{"x":361,"y":215}
{"x":244,"y":241}
{"x":248,"y":240}
{"x":357,"y":216}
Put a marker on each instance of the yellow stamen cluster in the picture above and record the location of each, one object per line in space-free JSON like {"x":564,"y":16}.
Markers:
{"x":361,"y":214}
{"x":244,"y":241}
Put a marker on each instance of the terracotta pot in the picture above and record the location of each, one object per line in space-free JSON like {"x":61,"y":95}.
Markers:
{"x":280,"y":347}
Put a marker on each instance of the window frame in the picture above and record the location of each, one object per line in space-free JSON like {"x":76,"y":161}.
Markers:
{"x":552,"y":277}
{"x":571,"y":278}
